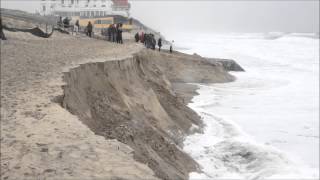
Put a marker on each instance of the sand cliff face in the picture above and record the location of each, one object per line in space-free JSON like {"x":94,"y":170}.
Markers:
{"x":39,"y":138}
{"x":131,"y":107}
{"x":132,"y":100}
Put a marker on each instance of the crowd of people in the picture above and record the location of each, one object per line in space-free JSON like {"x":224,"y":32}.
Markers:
{"x":66,"y":24}
{"x":114,"y":33}
{"x":148,"y":40}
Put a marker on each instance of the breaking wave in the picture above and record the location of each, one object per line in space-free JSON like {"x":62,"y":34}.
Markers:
{"x":225,"y":151}
{"x":265,"y":124}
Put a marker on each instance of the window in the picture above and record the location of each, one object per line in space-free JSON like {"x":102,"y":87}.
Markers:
{"x":97,"y":22}
{"x":106,"y":21}
{"x":62,"y":1}
{"x":103,"y":5}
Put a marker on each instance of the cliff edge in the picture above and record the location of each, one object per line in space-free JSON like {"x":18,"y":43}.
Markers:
{"x":132,"y":100}
{"x":128,"y":108}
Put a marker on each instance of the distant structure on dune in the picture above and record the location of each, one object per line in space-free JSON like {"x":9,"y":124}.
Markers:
{"x":85,"y":8}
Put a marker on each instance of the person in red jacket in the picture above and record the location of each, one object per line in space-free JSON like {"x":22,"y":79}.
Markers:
{"x":142,"y":37}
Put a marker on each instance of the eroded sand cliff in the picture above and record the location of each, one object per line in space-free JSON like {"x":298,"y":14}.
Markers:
{"x":132,"y":100}
{"x":128,"y":105}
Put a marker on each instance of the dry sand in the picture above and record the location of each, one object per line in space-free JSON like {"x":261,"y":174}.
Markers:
{"x":38,"y":137}
{"x":122,"y":97}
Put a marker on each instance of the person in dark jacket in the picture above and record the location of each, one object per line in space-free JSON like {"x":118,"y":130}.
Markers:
{"x":159,"y":43}
{"x":136,"y":37}
{"x":145,"y":39}
{"x":60,"y":23}
{"x":114,"y":33}
{"x":153,"y":42}
{"x":171,"y":46}
{"x":119,"y":34}
{"x":2,"y":36}
{"x":66,"y":22}
{"x":109,"y":32}
{"x":89,"y":29}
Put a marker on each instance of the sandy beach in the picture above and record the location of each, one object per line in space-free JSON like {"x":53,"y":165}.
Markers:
{"x":38,"y":137}
{"x":171,"y":90}
{"x":74,"y":107}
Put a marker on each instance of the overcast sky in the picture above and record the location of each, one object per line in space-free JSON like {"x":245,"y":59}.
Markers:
{"x":217,"y":16}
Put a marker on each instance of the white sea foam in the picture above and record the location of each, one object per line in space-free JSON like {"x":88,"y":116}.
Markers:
{"x":266,"y":123}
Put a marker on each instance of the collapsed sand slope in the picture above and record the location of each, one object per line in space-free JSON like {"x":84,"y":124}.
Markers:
{"x":39,"y":138}
{"x":132,"y":100}
{"x":182,"y":69}
{"x":141,"y":107}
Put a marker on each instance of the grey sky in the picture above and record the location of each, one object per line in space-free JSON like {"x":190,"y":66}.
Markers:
{"x":217,"y":16}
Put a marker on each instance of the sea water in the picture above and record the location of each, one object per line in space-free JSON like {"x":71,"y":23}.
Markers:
{"x":265,"y":124}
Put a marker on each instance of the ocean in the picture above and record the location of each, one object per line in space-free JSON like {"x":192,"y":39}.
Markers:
{"x":264,"y":125}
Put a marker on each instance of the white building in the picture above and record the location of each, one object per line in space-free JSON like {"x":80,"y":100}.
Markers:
{"x":85,"y":8}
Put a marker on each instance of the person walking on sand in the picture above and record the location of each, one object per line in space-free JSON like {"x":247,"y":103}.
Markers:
{"x":171,"y":46}
{"x":89,"y":29}
{"x":160,"y":43}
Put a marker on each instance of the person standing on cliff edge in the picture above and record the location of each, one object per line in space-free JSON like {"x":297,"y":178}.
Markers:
{"x":171,"y":46}
{"x":142,"y":37}
{"x":160,"y":43}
